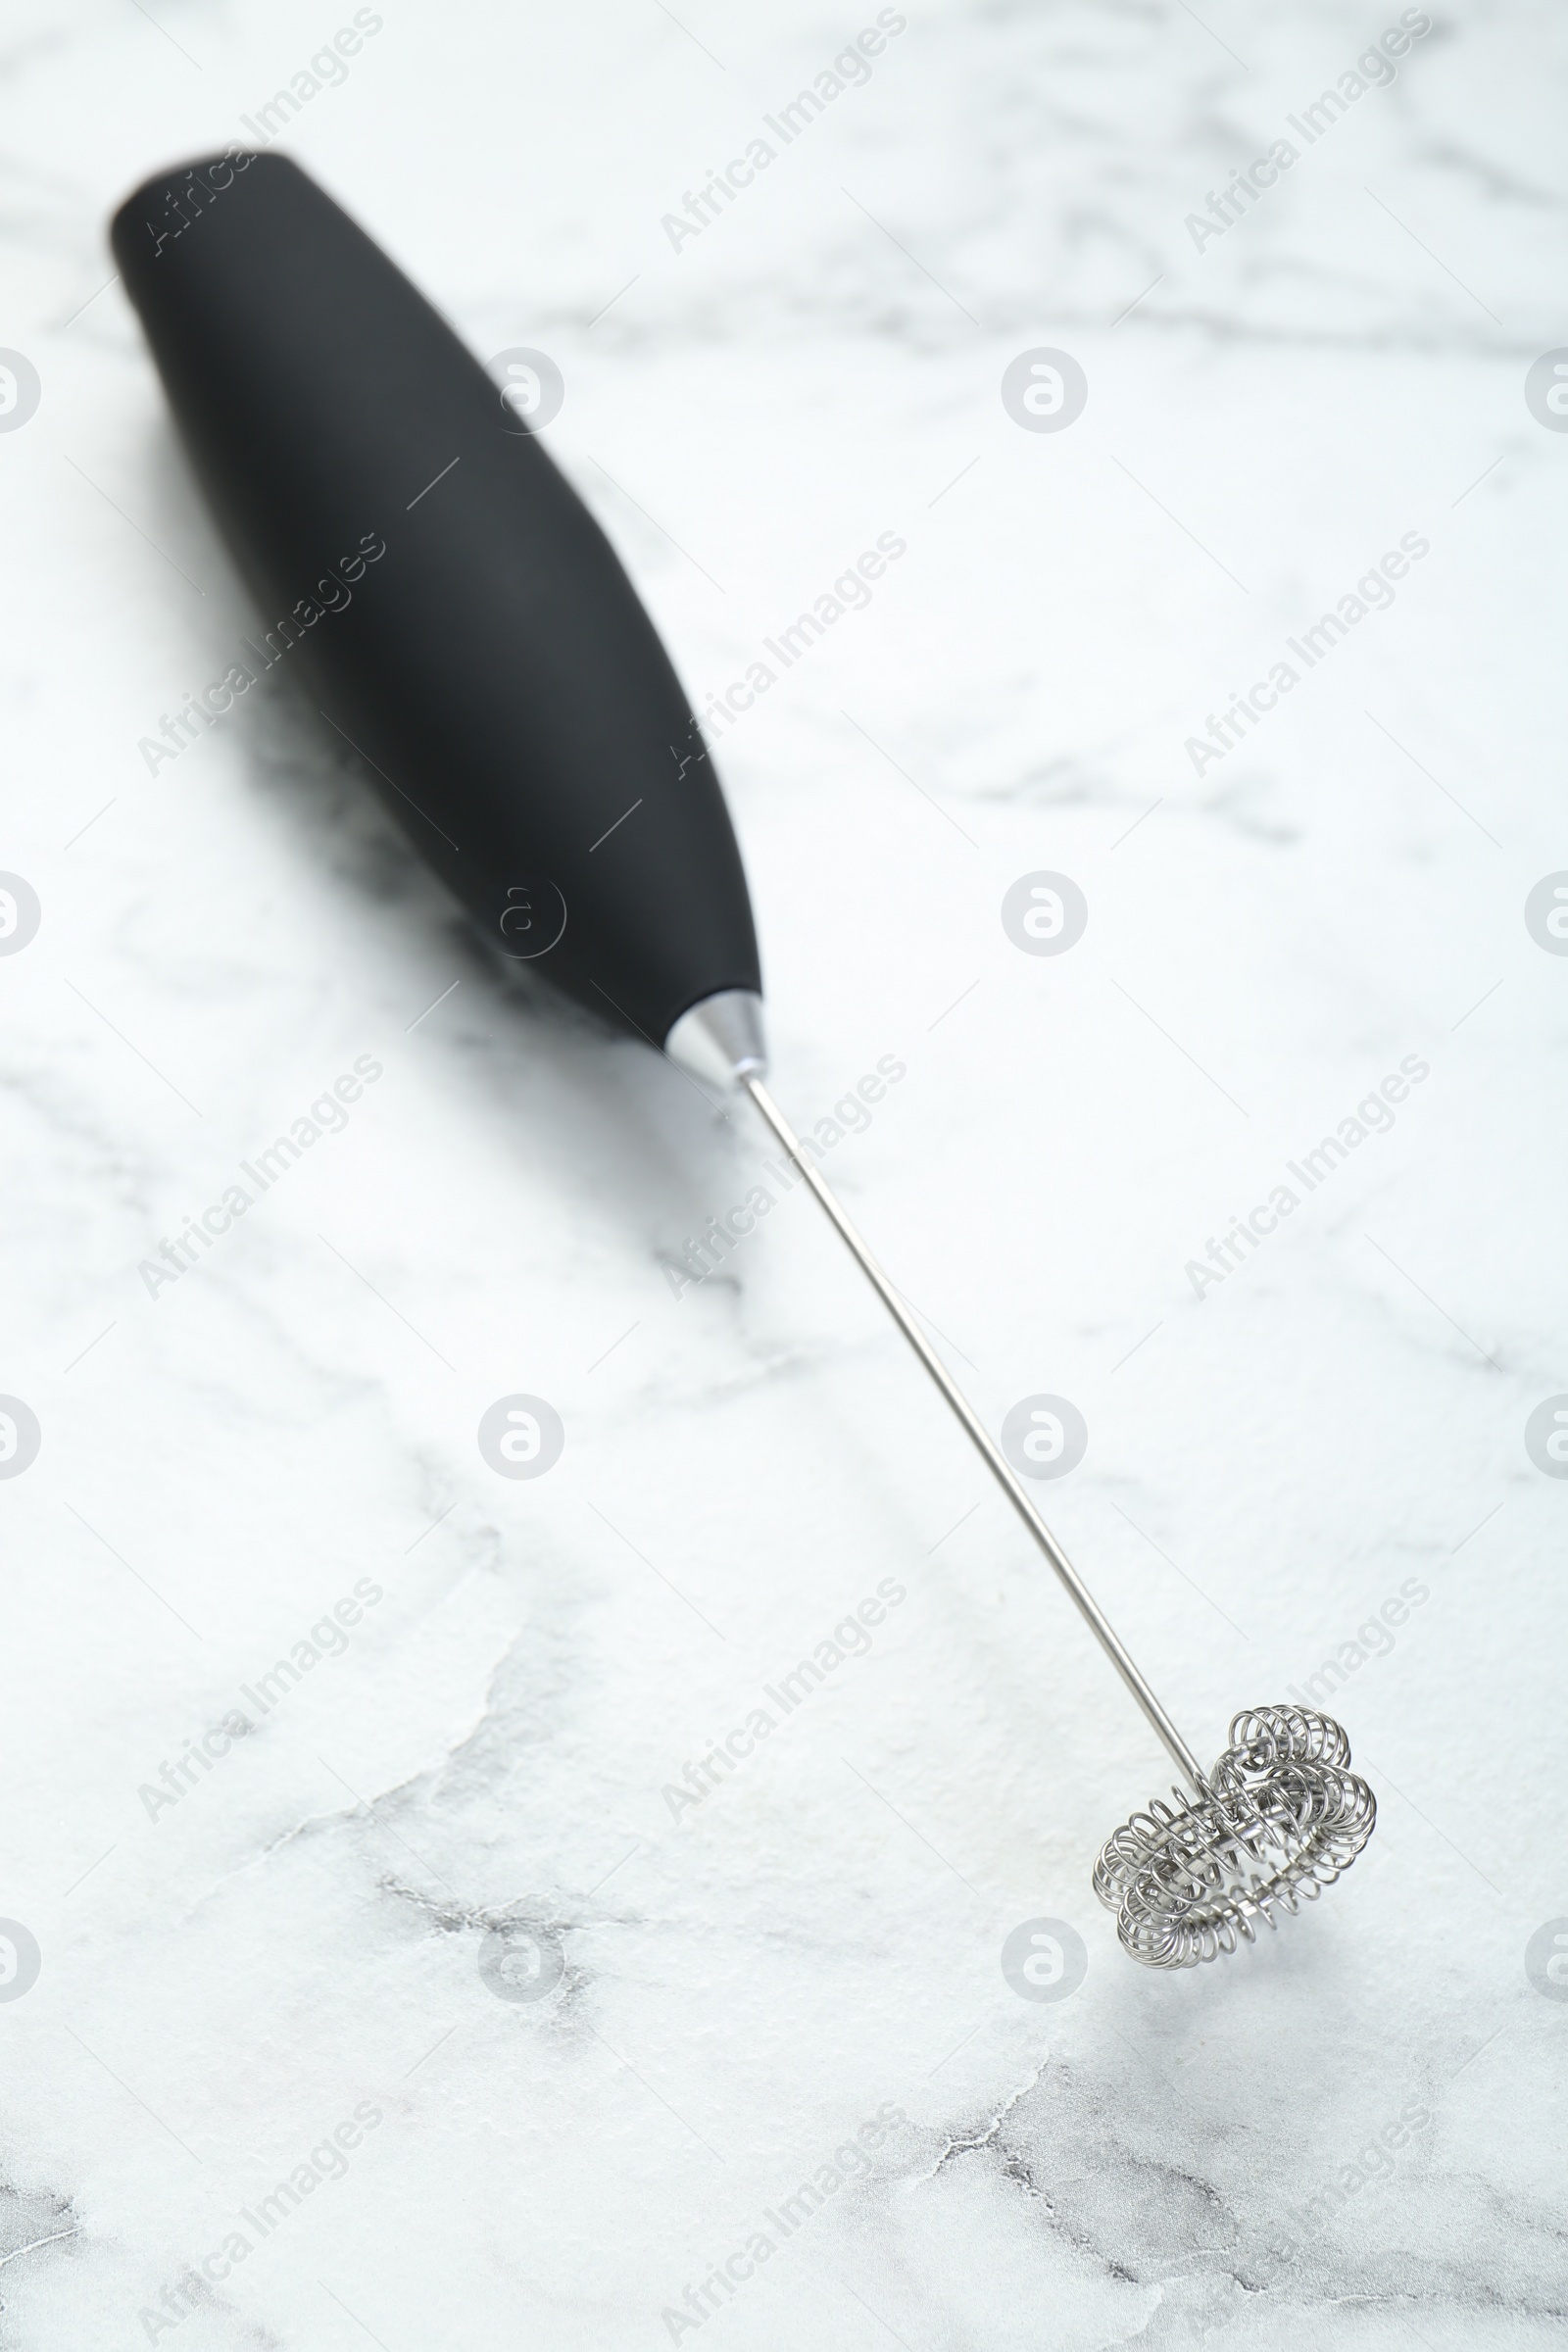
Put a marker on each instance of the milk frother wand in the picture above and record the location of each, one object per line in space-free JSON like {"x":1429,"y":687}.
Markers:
{"x":467,"y":629}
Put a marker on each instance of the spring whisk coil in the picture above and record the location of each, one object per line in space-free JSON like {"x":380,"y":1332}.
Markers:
{"x":1278,"y":1819}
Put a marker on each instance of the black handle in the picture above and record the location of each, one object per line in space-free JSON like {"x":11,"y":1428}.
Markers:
{"x":462,"y":619}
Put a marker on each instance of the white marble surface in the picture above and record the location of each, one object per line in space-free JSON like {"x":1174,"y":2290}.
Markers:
{"x":299,"y":1936}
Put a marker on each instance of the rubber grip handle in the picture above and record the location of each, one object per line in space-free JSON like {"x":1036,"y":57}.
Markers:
{"x":460,"y":617}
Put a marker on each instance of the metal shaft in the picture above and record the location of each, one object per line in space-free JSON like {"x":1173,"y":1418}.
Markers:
{"x":995,"y":1462}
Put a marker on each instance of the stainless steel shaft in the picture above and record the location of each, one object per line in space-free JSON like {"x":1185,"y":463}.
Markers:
{"x":995,"y":1460}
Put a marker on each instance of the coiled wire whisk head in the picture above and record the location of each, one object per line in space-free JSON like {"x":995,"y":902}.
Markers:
{"x":1278,"y":1819}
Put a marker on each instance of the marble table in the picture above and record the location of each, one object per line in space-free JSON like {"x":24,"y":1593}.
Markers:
{"x":367,"y":1975}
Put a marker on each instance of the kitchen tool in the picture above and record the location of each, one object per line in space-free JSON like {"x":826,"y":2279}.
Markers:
{"x":465,"y":626}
